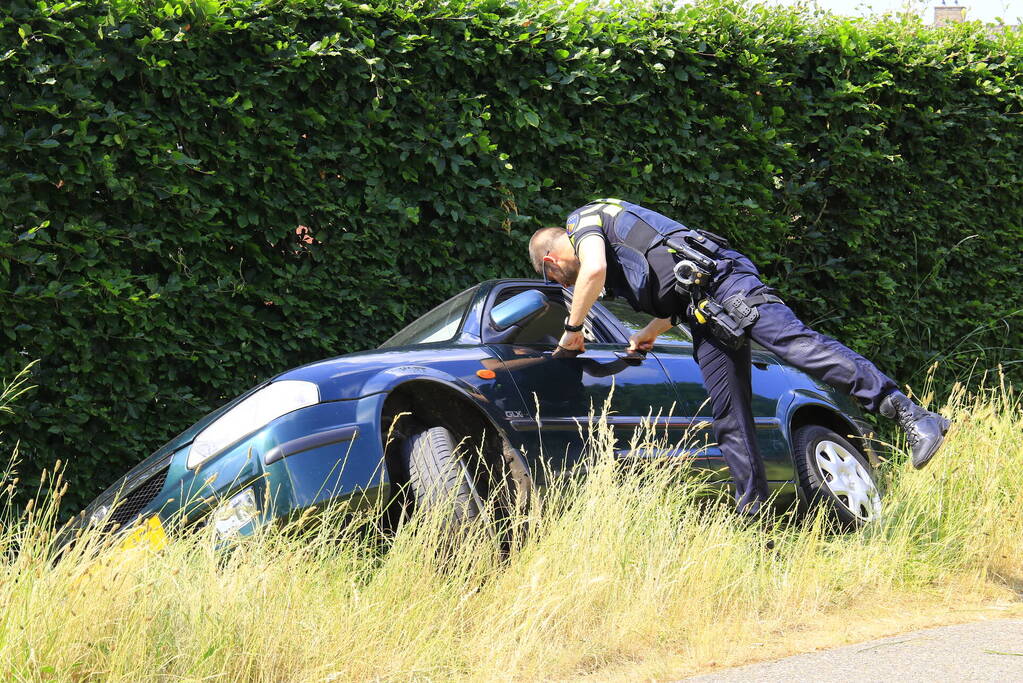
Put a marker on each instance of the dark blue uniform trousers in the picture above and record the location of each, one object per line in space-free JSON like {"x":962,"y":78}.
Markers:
{"x":726,"y":375}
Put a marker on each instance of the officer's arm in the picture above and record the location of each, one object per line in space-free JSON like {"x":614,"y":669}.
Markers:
{"x":590,"y":282}
{"x":644,"y":339}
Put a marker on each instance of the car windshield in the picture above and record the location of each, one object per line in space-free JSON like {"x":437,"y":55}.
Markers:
{"x":440,"y":324}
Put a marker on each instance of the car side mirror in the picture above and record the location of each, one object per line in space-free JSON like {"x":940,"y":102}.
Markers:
{"x":518,"y":310}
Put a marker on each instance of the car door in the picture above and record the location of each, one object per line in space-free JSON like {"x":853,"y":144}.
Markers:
{"x":674,"y":350}
{"x":564,"y":395}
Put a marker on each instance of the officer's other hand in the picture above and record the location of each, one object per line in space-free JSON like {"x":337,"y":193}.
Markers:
{"x":641,"y":342}
{"x":573,"y":341}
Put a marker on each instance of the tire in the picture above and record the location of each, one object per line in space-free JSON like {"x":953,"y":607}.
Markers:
{"x":437,"y":474}
{"x":835,"y":474}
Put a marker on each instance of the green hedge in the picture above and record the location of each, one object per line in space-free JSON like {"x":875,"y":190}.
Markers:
{"x":156,"y":159}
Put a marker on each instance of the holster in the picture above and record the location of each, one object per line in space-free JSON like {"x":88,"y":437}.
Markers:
{"x":728,"y":320}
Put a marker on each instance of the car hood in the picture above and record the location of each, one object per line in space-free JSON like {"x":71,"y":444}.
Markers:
{"x":346,"y":377}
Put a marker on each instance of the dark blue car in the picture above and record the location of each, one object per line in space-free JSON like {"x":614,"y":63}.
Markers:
{"x":477,"y":371}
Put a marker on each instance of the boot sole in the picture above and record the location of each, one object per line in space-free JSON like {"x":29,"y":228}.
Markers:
{"x":919,"y":464}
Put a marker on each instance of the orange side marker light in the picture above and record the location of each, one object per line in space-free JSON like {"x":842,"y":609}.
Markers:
{"x":486,"y":374}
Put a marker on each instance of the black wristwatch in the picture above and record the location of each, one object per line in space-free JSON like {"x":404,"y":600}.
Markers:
{"x":573,"y":328}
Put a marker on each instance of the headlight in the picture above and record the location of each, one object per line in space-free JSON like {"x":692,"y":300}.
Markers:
{"x":234,"y":514}
{"x":255,"y":412}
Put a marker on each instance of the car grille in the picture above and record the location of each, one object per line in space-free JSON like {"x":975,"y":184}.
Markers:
{"x":128,"y":507}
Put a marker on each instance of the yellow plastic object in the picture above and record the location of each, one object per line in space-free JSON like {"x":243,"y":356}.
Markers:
{"x":698,"y":312}
{"x":149,"y":534}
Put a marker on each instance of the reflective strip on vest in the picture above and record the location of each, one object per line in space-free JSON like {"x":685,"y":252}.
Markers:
{"x":608,"y":207}
{"x":585,"y":221}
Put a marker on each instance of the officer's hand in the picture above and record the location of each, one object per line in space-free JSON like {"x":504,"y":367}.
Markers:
{"x":641,"y":342}
{"x":573,"y":341}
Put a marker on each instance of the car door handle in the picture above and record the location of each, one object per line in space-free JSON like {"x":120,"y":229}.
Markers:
{"x":562,"y":352}
{"x":631,"y":358}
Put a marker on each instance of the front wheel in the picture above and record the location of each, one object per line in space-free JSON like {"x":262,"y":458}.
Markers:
{"x":834,"y":473}
{"x":438,"y":475}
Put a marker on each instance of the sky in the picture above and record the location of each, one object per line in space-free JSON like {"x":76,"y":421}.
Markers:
{"x":984,"y":10}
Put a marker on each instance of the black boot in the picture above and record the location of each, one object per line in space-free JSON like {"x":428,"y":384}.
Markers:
{"x":924,"y":430}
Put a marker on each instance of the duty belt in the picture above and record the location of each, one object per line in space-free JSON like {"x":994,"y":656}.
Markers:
{"x":728,"y":320}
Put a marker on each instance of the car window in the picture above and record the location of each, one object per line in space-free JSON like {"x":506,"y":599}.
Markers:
{"x":546,"y":329}
{"x":634,"y":321}
{"x":440,"y":324}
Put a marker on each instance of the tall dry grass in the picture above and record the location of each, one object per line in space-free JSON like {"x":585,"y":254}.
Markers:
{"x":617,"y":570}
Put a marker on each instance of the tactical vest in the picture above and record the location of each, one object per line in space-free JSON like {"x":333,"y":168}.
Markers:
{"x":639,"y":265}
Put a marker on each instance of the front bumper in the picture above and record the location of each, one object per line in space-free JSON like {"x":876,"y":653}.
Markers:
{"x":325,"y":453}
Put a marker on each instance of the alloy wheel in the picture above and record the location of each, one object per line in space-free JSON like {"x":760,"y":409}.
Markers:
{"x":848,"y":480}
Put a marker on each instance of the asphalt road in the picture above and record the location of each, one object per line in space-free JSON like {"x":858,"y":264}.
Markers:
{"x":982,"y":651}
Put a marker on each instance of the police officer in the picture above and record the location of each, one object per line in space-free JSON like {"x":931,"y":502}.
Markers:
{"x":635,"y":253}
